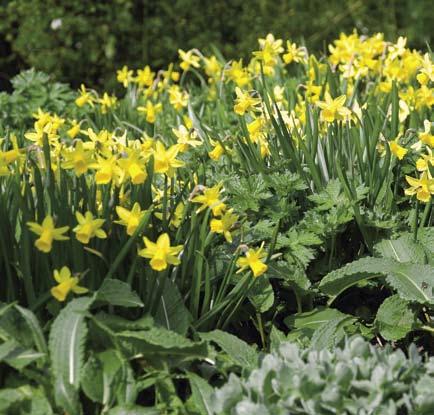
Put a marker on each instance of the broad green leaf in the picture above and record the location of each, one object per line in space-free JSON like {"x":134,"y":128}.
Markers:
{"x":276,"y":337}
{"x":133,"y":410}
{"x":103,"y":375}
{"x":331,"y":333}
{"x":201,"y":392}
{"x":413,"y":282}
{"x":425,"y":237}
{"x":116,"y":292}
{"x":172,"y":312}
{"x":14,"y":326}
{"x":66,"y":396}
{"x":313,"y":319}
{"x":295,"y":277}
{"x":394,"y":318}
{"x":159,"y":342}
{"x":66,"y":344}
{"x":261,"y":295}
{"x":33,"y":401}
{"x":117,"y":323}
{"x":403,"y":249}
{"x":35,"y":328}
{"x":16,"y":355}
{"x":92,"y":380}
{"x":238,"y":350}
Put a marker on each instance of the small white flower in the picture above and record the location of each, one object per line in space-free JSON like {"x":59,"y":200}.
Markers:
{"x":56,"y":24}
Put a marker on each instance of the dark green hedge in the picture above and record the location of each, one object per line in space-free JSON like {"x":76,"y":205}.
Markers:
{"x":85,"y":41}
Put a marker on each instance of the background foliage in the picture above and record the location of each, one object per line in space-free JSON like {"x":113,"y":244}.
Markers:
{"x":86,"y":41}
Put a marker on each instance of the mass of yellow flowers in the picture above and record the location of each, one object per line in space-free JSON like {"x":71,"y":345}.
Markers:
{"x":166,"y":160}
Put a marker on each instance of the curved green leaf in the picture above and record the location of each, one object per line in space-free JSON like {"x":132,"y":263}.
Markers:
{"x":116,"y":292}
{"x":413,"y":282}
{"x":66,"y":344}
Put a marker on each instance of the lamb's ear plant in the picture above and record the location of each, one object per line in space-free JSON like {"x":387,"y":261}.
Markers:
{"x":353,"y":378}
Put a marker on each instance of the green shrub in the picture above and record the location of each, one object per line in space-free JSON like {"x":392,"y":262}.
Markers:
{"x":85,"y":41}
{"x":357,"y":379}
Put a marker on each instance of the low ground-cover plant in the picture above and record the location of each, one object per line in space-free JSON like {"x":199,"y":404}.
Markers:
{"x":355,"y":379}
{"x":288,"y":198}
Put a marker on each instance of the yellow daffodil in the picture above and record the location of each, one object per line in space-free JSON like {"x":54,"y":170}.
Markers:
{"x":426,"y":137}
{"x":426,"y":74}
{"x":84,"y":98}
{"x":186,"y":138}
{"x":213,"y":67}
{"x":224,"y":224}
{"x":151,"y":111}
{"x":211,"y":199}
{"x":397,"y":150}
{"x":47,"y":233}
{"x":145,"y":77}
{"x":161,"y":253}
{"x":133,"y":166}
{"x":217,"y":151}
{"x":294,"y":53}
{"x":188,"y":59}
{"x":237,"y":73}
{"x":124,"y":76}
{"x":333,"y":109}
{"x":78,"y":159}
{"x":177,"y":98}
{"x":107,"y":102}
{"x":130,"y":218}
{"x":423,"y":188}
{"x":88,"y":227}
{"x":254,"y":260}
{"x":425,"y":161}
{"x":245,"y":102}
{"x":74,"y":130}
{"x":107,"y":170}
{"x":66,"y":284}
{"x":165,"y":161}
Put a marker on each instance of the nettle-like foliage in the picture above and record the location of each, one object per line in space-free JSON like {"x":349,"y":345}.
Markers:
{"x":355,"y":379}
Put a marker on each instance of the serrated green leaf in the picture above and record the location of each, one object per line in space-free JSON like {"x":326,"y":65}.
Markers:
{"x":261,"y":295}
{"x":172,"y":312}
{"x":66,"y":396}
{"x":394,"y":318}
{"x":413,"y":282}
{"x":117,"y":323}
{"x":403,"y":249}
{"x":294,"y":276}
{"x":238,"y":350}
{"x":92,"y":380}
{"x":201,"y":392}
{"x":33,"y":400}
{"x":331,"y":333}
{"x":103,"y":376}
{"x":313,"y":319}
{"x":35,"y":328}
{"x":276,"y":337}
{"x":66,"y":344}
{"x":159,"y":342}
{"x":116,"y":292}
{"x":133,"y":410}
{"x":16,"y":355}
